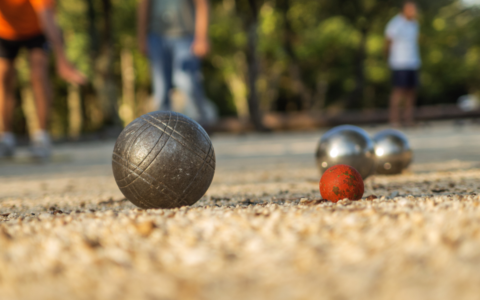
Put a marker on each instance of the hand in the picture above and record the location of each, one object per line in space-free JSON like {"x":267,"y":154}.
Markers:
{"x":69,"y":73}
{"x":200,"y":47}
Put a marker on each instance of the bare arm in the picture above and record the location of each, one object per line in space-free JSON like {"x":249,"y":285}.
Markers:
{"x":50,"y":28}
{"x":142,"y":24}
{"x":201,"y":45}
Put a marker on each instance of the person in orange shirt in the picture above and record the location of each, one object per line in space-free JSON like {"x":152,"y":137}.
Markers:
{"x":30,"y":24}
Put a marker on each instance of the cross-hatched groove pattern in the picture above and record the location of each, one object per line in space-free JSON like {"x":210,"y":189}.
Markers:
{"x":161,"y":149}
{"x":157,"y":123}
{"x":178,"y":139}
{"x":135,"y":138}
{"x":140,"y":175}
{"x":185,"y":194}
{"x":200,"y":130}
{"x":178,"y":177}
{"x":131,"y":184}
{"x":152,"y":182}
{"x":129,"y":152}
{"x":137,"y":197}
{"x":125,"y":170}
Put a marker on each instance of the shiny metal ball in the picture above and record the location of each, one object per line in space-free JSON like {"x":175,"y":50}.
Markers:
{"x":347,"y":145}
{"x":163,"y":160}
{"x":393,"y":153}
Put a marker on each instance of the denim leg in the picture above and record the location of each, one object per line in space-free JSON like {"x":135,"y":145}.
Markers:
{"x":160,"y":56}
{"x":186,"y":74}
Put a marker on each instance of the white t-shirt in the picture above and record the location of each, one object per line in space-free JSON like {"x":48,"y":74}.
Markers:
{"x":404,"y":54}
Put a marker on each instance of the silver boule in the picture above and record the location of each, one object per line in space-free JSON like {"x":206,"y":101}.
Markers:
{"x":348,"y":145}
{"x":163,"y":160}
{"x":393,"y":153}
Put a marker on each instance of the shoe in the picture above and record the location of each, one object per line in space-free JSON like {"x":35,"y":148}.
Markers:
{"x":41,"y":146}
{"x":7,"y":145}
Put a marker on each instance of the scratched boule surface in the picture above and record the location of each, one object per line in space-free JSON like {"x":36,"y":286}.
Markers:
{"x":259,"y":233}
{"x":159,"y":154}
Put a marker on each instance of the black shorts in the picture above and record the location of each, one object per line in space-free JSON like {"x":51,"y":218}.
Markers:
{"x":405,"y":79}
{"x":9,"y":49}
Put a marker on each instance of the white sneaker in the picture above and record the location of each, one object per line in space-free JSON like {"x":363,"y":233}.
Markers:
{"x":41,"y":145}
{"x":7,"y":145}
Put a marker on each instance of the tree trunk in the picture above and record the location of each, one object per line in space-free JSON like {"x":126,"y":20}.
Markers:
{"x":299,"y":86}
{"x":253,"y":68}
{"x":127,"y":107}
{"x":92,"y":28}
{"x":295,"y":71}
{"x":104,"y":78}
{"x":74,"y":112}
{"x":320,"y":94}
{"x":238,"y":87}
{"x":356,"y":97}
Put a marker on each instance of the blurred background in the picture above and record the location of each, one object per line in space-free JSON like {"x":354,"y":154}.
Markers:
{"x":274,"y":60}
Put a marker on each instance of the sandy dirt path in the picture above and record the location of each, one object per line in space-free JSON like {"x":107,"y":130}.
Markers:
{"x":261,"y":232}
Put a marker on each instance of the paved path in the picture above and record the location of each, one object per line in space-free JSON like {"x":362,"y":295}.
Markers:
{"x":442,"y":146}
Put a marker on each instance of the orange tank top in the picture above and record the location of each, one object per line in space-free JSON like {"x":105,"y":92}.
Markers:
{"x":19,"y":18}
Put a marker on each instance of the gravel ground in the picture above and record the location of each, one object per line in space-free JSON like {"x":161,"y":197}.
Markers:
{"x":261,"y":232}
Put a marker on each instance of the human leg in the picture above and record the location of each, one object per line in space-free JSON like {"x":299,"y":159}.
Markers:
{"x":41,"y":85}
{"x":161,"y":69}
{"x":395,"y":100}
{"x":42,"y":92}
{"x":403,"y":81}
{"x":412,"y":84}
{"x":7,"y":93}
{"x":187,"y":75}
{"x":8,"y":53}
{"x":7,"y":105}
{"x":410,"y":101}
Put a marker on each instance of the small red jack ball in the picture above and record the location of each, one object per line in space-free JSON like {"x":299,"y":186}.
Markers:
{"x":340,"y":182}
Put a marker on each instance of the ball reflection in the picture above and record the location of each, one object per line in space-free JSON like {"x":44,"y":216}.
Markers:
{"x":392,"y":151}
{"x":348,"y":145}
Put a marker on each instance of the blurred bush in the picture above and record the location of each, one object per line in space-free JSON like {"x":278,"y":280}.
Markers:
{"x":311,"y":55}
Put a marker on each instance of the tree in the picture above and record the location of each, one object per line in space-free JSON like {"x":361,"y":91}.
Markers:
{"x":248,"y":10}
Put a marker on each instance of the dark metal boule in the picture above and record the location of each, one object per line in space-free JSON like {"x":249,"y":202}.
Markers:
{"x":347,"y":145}
{"x":393,"y":153}
{"x":163,"y":160}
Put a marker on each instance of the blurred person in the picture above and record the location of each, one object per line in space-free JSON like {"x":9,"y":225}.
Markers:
{"x":29,"y":24}
{"x":174,"y":35}
{"x":404,"y":60}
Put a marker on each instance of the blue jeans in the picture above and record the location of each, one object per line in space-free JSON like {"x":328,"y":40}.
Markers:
{"x":172,"y":63}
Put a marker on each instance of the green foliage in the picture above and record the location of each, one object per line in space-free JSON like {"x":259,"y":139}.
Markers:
{"x":306,"y":48}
